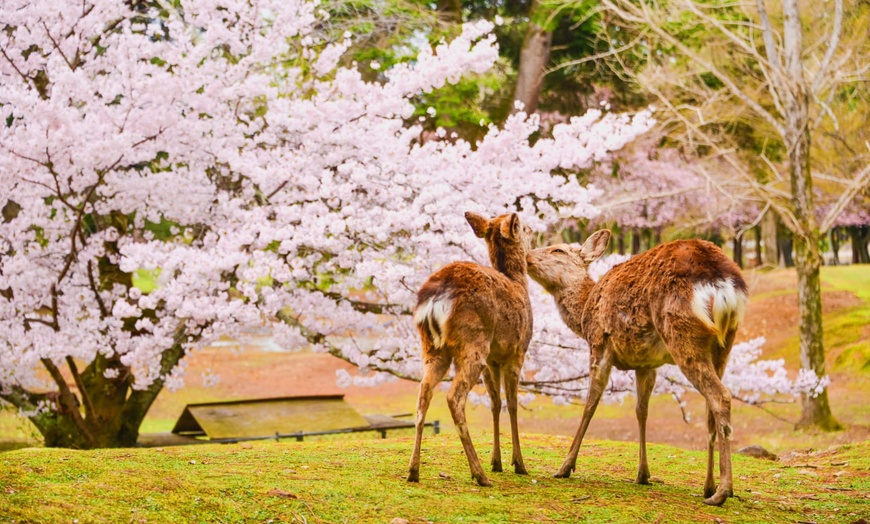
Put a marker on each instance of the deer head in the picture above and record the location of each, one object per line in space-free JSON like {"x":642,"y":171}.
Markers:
{"x":562,"y":265}
{"x":507,"y":238}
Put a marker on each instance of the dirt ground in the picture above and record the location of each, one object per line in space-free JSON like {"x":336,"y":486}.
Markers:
{"x":257,"y":372}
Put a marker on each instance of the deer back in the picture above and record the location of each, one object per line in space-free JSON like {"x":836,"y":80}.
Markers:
{"x":685,"y":288}
{"x":464,"y":301}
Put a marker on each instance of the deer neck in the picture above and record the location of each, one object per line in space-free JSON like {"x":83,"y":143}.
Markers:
{"x":571,"y":301}
{"x":511,"y":263}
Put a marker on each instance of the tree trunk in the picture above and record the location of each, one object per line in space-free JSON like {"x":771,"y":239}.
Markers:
{"x":816,"y":410}
{"x":784,"y":246}
{"x":620,"y":242}
{"x":770,"y":239}
{"x":835,"y":246}
{"x":757,"y":230}
{"x":635,"y":242}
{"x":534,"y":56}
{"x":737,"y":245}
{"x":859,"y":236}
{"x":113,"y":411}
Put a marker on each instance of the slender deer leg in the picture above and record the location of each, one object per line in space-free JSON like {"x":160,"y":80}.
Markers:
{"x":467,"y":373}
{"x":511,"y":383}
{"x":433,"y":372}
{"x":646,"y":380}
{"x":492,"y":379}
{"x":703,"y":375}
{"x":710,"y":482}
{"x":599,"y":373}
{"x":720,"y":360}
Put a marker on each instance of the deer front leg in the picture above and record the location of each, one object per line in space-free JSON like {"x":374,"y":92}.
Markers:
{"x":492,"y":379}
{"x":599,"y":373}
{"x":511,"y":384}
{"x":467,"y":374}
{"x":646,"y":380}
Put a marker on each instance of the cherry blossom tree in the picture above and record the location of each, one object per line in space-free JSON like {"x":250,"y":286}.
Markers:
{"x":176,"y":172}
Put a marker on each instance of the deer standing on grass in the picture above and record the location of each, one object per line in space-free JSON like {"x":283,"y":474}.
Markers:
{"x":480,"y":319}
{"x":680,"y":302}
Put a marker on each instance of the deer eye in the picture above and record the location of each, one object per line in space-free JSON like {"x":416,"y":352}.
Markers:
{"x":559,"y":250}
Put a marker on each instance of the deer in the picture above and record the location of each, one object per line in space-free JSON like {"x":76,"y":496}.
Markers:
{"x":479,"y":319}
{"x":678,"y":303}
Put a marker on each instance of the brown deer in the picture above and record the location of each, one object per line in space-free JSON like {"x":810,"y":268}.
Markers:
{"x":680,"y":302}
{"x":479,"y":319}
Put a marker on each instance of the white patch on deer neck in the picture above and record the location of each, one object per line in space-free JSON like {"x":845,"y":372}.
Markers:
{"x":435,"y":312}
{"x":719,"y":305}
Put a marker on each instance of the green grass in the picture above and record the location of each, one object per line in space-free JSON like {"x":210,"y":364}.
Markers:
{"x":363,"y":481}
{"x":854,"y":278}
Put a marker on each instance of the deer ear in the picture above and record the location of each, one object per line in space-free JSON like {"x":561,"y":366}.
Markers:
{"x":478,"y":223}
{"x":594,"y":246}
{"x":511,"y":228}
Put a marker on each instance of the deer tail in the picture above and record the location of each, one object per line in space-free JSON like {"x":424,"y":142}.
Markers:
{"x":432,"y":316}
{"x":720,"y":306}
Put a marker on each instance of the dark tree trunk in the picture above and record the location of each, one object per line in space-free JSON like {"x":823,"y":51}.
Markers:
{"x":737,"y":245}
{"x":110,"y":413}
{"x":835,"y":246}
{"x":620,"y":242}
{"x":534,"y":57}
{"x":860,"y":235}
{"x":758,"y":235}
{"x":784,"y":246}
{"x":635,"y":242}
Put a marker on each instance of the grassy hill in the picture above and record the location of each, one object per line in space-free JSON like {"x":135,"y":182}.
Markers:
{"x":364,"y":481}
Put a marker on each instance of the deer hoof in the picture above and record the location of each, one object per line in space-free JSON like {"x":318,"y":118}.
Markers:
{"x":496,"y":467}
{"x":483,"y":481}
{"x":717,"y":499}
{"x":414,"y":476}
{"x":643,"y":479}
{"x":520,"y":469}
{"x":563,"y":473}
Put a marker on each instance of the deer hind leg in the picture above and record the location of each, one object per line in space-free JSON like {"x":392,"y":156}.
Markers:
{"x":511,"y":384}
{"x":710,"y":482}
{"x":704,"y":375}
{"x":720,"y":360}
{"x":467,"y":373}
{"x":433,"y":371}
{"x":646,"y":380}
{"x":599,"y":373}
{"x":492,"y":379}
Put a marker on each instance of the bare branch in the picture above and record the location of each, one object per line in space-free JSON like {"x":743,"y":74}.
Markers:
{"x":769,"y":44}
{"x":832,"y":46}
{"x":858,"y":184}
{"x":643,"y":198}
{"x":598,"y":56}
{"x":641,"y":14}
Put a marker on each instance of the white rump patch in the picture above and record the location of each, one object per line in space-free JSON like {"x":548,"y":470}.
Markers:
{"x":435,"y":312}
{"x":719,"y":305}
